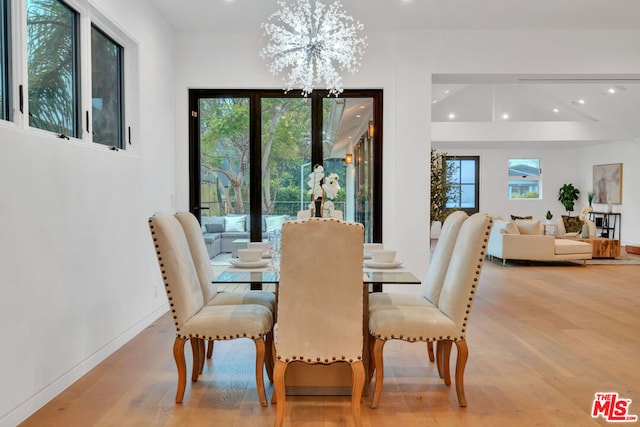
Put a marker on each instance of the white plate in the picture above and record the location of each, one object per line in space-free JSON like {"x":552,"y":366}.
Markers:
{"x":373,"y":264}
{"x":367,"y":256}
{"x":249,"y":264}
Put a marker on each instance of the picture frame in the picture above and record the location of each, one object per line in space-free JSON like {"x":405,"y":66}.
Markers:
{"x":607,"y":183}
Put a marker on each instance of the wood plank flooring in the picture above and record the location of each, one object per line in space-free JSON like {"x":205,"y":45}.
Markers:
{"x":542,"y":340}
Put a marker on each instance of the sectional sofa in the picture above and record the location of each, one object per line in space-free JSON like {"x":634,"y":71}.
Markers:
{"x":525,"y":240}
{"x":220,"y":231}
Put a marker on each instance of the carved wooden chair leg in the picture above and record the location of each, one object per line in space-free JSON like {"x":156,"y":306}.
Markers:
{"x":461,"y":363}
{"x":279,"y":390}
{"x":377,"y":354}
{"x":210,"y":349}
{"x":195,"y":349}
{"x":446,"y":356}
{"x":358,"y":375}
{"x":260,"y":370}
{"x":181,"y":365}
{"x":430,"y":351}
{"x":268,"y":356}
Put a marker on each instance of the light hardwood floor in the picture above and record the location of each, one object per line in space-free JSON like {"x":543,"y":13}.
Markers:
{"x":542,"y":340}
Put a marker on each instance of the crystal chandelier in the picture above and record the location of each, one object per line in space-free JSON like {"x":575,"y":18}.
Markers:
{"x":312,"y":44}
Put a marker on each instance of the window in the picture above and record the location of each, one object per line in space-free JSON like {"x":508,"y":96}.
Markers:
{"x":465,"y":192}
{"x":53,"y":63}
{"x":524,"y":178}
{"x":4,"y":60}
{"x":106,"y":89}
{"x":252,"y":152}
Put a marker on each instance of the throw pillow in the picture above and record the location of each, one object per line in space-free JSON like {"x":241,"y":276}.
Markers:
{"x":514,"y":217}
{"x":235,"y":223}
{"x":511,"y":228}
{"x":214,"y":228}
{"x":572,"y":224}
{"x":529,"y":226}
{"x":274,"y":222}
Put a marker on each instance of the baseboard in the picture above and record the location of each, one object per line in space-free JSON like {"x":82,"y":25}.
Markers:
{"x":28,"y":407}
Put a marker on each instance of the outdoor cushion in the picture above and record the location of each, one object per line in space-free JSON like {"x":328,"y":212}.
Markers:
{"x":214,"y":228}
{"x":235,"y":223}
{"x":274,"y":222}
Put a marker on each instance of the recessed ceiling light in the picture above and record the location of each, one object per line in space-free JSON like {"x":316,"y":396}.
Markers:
{"x":362,"y":107}
{"x":612,"y":90}
{"x":555,"y":110}
{"x":505,"y":116}
{"x":358,"y":115}
{"x":581,"y":101}
{"x":452,"y":116}
{"x":434,"y":101}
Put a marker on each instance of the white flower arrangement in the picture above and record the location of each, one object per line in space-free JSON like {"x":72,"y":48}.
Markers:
{"x":328,"y":189}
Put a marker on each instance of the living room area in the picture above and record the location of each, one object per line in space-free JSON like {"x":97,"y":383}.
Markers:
{"x":538,"y":135}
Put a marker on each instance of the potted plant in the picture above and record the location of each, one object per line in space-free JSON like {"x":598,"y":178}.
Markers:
{"x":549,"y":215}
{"x":568,"y":194}
{"x":590,"y":195}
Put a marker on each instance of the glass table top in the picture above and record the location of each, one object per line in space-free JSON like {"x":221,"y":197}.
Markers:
{"x":272,"y":276}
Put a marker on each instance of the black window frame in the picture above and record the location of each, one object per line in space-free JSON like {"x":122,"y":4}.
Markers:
{"x":476,"y":159}
{"x":255,"y":161}
{"x":121,"y":91}
{"x":5,"y":53}
{"x":76,"y":94}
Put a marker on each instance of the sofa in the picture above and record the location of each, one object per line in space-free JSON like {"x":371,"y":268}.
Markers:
{"x":525,"y":240}
{"x":220,"y":231}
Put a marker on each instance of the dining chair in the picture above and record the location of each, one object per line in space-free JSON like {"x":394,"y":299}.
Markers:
{"x":432,"y":284}
{"x":448,"y":322}
{"x":198,"y":249}
{"x":195,"y":321}
{"x":320,"y":302}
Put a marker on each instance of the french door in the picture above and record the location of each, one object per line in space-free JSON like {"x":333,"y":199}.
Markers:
{"x":251,"y":153}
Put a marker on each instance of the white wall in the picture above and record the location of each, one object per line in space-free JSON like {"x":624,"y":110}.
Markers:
{"x":212,"y":60}
{"x":78,"y":275}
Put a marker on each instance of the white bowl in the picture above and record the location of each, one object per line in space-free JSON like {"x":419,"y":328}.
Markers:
{"x":249,"y":255}
{"x":368,"y":247}
{"x":383,"y":255}
{"x":262,"y":246}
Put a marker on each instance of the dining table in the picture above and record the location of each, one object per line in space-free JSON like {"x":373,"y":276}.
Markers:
{"x":334,"y":379}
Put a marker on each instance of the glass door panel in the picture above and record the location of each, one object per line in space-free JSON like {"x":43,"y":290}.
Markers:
{"x":286,"y":158}
{"x":347,"y":136}
{"x":224,"y":156}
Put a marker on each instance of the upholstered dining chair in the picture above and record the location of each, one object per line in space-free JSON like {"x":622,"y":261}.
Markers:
{"x":432,"y":284}
{"x":320,"y":302}
{"x":448,"y":323}
{"x":197,"y":246}
{"x":193,"y":319}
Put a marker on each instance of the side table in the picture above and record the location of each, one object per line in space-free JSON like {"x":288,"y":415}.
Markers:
{"x":603,"y":248}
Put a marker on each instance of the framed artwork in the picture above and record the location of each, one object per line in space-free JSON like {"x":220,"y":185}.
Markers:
{"x":607,"y":183}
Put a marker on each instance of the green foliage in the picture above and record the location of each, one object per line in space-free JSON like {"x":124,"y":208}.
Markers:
{"x":567,"y":195}
{"x":527,"y":195}
{"x":50,"y":47}
{"x":549,"y":215}
{"x":443,"y":188}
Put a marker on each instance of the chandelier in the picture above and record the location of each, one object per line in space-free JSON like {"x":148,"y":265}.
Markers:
{"x":312,"y":44}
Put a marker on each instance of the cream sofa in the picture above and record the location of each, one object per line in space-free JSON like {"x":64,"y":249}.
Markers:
{"x":525,"y":240}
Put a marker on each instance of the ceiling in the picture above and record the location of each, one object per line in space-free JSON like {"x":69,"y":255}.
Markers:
{"x":382,"y":15}
{"x":472,"y":98}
